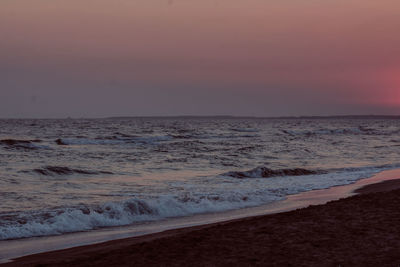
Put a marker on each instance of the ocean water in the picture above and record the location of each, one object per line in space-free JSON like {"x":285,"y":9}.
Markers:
{"x":60,"y":176}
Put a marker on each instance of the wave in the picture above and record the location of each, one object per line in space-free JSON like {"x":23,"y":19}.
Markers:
{"x":122,"y":139}
{"x":242,"y":194}
{"x":21,"y":144}
{"x":113,"y":140}
{"x":81,"y":218}
{"x":264,"y":172}
{"x":86,"y":141}
{"x":344,"y":131}
{"x":244,"y":130}
{"x":57,"y":170}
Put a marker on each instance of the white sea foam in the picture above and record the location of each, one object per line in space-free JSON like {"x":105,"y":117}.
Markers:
{"x":95,"y":169}
{"x":231,"y":194}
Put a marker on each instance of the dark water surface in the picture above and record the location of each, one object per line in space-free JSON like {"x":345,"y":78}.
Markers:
{"x":59,"y":176}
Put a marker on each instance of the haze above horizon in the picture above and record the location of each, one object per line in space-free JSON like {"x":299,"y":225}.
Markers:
{"x":186,"y":57}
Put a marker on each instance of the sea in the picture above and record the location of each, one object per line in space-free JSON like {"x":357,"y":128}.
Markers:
{"x":59,"y":176}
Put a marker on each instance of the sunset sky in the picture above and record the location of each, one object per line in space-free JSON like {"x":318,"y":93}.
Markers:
{"x":94,"y":58}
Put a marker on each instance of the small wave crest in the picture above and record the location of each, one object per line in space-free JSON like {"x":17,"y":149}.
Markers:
{"x":59,"y":170}
{"x":244,"y":130}
{"x":20,"y":144}
{"x":264,"y":172}
{"x":114,"y":140}
{"x":339,"y":131}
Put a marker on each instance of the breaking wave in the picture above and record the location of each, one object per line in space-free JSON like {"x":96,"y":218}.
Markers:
{"x":263,"y":172}
{"x":150,"y":207}
{"x":81,"y":218}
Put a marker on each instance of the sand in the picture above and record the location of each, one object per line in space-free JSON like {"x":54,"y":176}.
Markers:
{"x":379,"y":187}
{"x":363,"y":230}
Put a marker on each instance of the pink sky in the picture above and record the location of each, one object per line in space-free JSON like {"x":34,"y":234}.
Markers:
{"x":190,"y":57}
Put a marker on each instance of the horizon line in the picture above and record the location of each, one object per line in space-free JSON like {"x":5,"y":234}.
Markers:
{"x":208,"y":116}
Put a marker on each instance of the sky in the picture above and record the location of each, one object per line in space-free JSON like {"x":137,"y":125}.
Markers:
{"x":99,"y":58}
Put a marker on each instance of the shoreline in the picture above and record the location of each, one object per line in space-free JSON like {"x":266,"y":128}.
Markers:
{"x":381,"y":182}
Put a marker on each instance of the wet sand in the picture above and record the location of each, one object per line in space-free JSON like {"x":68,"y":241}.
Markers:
{"x":362,"y":230}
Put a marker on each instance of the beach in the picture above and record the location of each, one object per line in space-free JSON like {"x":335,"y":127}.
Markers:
{"x":212,"y":191}
{"x":362,"y":230}
{"x":199,"y":133}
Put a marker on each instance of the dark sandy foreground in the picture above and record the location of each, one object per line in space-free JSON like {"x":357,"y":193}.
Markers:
{"x":363,"y":230}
